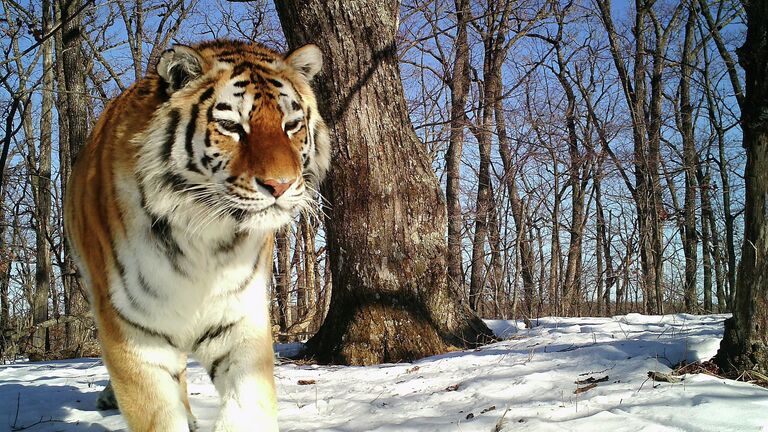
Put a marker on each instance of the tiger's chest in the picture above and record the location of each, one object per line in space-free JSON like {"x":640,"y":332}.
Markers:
{"x":180,"y":283}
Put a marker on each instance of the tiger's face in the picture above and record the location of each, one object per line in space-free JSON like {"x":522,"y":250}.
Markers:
{"x":241,"y":135}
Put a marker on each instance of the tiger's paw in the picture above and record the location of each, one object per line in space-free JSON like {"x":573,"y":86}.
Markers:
{"x":232,"y":419}
{"x":192,"y":421}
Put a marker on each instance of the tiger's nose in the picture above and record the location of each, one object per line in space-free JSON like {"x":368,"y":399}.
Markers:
{"x":276,"y":187}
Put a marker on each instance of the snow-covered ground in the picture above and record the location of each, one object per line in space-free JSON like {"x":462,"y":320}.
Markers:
{"x":525,"y":383}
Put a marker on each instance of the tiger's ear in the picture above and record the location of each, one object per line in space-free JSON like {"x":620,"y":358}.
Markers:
{"x":178,"y":66}
{"x":307,"y":60}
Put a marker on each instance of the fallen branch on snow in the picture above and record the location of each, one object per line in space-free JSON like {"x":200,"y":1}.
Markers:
{"x":663,"y":377}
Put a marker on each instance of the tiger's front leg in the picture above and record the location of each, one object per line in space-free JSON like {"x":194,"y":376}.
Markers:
{"x":108,"y":401}
{"x":240,"y":362}
{"x":149,"y":381}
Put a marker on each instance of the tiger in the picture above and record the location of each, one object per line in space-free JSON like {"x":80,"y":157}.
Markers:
{"x":171,"y":211}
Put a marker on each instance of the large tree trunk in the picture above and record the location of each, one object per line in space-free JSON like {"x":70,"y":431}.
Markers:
{"x":386,"y":231}
{"x":745,"y":343}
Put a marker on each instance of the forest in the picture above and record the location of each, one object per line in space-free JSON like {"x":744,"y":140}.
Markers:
{"x":586,"y":155}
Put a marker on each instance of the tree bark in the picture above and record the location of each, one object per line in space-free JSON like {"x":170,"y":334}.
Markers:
{"x":690,"y":160}
{"x":484,"y":134}
{"x":459,"y":86}
{"x":41,"y":191}
{"x":708,"y":253}
{"x":6,"y":256}
{"x":745,"y":342}
{"x":74,"y":107}
{"x":495,"y":267}
{"x":74,"y":76}
{"x":310,"y":269}
{"x":301,"y":282}
{"x":283,"y":278}
{"x":603,"y":248}
{"x":556,"y":305}
{"x":386,"y":230}
{"x":718,"y":261}
{"x":497,"y":41}
{"x":68,"y":271}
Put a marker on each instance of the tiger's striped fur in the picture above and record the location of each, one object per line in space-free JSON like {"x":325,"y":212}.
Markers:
{"x":171,"y":211}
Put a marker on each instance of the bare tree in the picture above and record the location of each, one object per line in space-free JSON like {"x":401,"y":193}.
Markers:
{"x":75,"y":106}
{"x":580,"y":166}
{"x":606,"y":278}
{"x":523,"y":241}
{"x":459,"y":85}
{"x":40,"y":168}
{"x":710,"y":248}
{"x":714,"y":116}
{"x":690,"y":160}
{"x":134,"y":14}
{"x":499,"y":27}
{"x":645,"y":110}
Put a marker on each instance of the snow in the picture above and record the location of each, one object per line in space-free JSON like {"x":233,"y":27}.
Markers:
{"x":524,"y":383}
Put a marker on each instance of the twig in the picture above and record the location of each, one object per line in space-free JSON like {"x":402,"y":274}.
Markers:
{"x":500,"y":422}
{"x":15,"y":427}
{"x":597,"y":372}
{"x":50,"y":33}
{"x":39,"y":422}
{"x":663,"y":377}
{"x":585,"y":388}
{"x":592,"y":380}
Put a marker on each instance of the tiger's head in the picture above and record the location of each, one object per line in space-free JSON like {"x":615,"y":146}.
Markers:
{"x":239,"y":137}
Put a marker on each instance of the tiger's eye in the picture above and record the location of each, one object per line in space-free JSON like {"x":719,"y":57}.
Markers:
{"x":292,"y":126}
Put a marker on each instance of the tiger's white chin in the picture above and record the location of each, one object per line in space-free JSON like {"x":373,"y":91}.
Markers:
{"x":271,"y":218}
